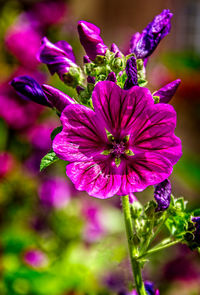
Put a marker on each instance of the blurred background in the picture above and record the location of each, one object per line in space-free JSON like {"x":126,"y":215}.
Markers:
{"x":53,"y":239}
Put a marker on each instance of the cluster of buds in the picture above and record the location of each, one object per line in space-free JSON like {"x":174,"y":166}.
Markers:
{"x":100,"y":63}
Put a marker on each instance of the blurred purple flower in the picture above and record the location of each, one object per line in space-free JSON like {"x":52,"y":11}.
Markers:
{"x":146,"y":43}
{"x":131,"y":71}
{"x":59,"y":57}
{"x":94,"y":229}
{"x":181,"y":268}
{"x":89,"y":35}
{"x":162,"y":195}
{"x":29,"y":89}
{"x":23,"y":41}
{"x":6,"y":163}
{"x":20,"y":114}
{"x":131,"y":155}
{"x":55,"y":192}
{"x":46,"y":13}
{"x":167,"y":92}
{"x":35,"y":258}
{"x":149,"y":287}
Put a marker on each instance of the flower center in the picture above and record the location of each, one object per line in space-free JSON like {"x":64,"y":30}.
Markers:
{"x":118,"y":149}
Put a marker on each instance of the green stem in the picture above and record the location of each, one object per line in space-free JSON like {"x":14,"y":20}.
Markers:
{"x":136,"y":268}
{"x":157,"y":230}
{"x":158,"y":248}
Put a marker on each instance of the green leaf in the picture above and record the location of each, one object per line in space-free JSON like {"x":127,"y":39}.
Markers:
{"x":55,"y":132}
{"x":48,"y":159}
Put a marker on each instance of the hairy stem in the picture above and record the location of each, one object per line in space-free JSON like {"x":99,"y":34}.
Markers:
{"x":136,"y":267}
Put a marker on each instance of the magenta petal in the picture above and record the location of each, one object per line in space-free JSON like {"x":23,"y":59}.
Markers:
{"x":143,"y":170}
{"x":95,"y":177}
{"x":82,"y":137}
{"x":118,"y":109}
{"x":156,"y":133}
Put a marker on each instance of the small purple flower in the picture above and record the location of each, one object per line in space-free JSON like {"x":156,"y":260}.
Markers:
{"x":59,"y":57}
{"x":55,"y":192}
{"x":114,"y":48}
{"x":152,"y":35}
{"x":162,"y":195}
{"x":28,"y":89}
{"x":196,"y":220}
{"x":149,"y":287}
{"x":111,"y":77}
{"x":126,"y":144}
{"x":57,"y":98}
{"x":131,"y":71}
{"x":90,"y":39}
{"x":35,"y":258}
{"x":167,"y":92}
{"x":91,"y":80}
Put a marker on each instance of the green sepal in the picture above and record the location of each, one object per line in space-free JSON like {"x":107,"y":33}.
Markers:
{"x":74,"y":77}
{"x":117,"y":162}
{"x":129,"y":153}
{"x":105,"y":152}
{"x":156,"y":99}
{"x":48,"y":159}
{"x":55,"y":132}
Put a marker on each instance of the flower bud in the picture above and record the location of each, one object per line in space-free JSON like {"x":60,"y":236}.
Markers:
{"x":57,"y":98}
{"x":59,"y":57}
{"x":150,"y":37}
{"x":90,"y":39}
{"x":114,"y":48}
{"x":166,"y":93}
{"x":131,"y":71}
{"x":29,"y":89}
{"x":112,"y":77}
{"x":162,"y":195}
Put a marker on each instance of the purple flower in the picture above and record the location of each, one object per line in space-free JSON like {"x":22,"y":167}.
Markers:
{"x":162,"y":195}
{"x":47,"y":13}
{"x":57,"y":98}
{"x":59,"y":57}
{"x":27,"y":88}
{"x":35,"y":258}
{"x":126,"y":144}
{"x":152,"y":35}
{"x":23,"y":41}
{"x":55,"y":192}
{"x":167,"y":92}
{"x":131,"y":71}
{"x":89,"y":35}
